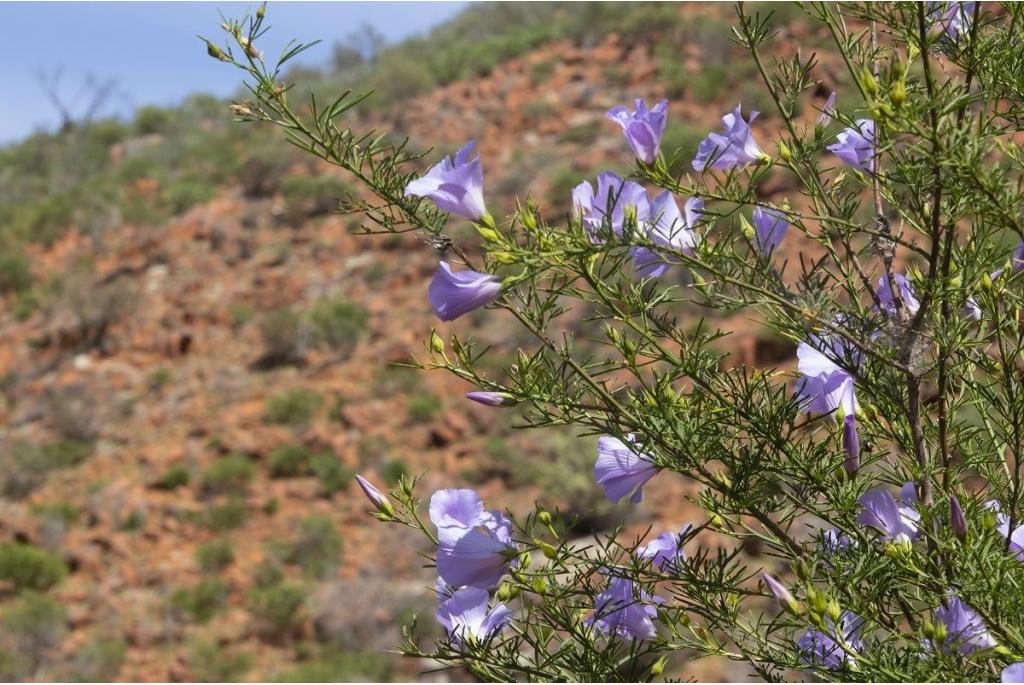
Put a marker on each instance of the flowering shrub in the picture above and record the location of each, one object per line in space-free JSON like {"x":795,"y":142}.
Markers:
{"x":886,"y":473}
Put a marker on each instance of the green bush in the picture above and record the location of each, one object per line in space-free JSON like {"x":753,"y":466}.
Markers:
{"x":152,"y":119}
{"x":64,"y":512}
{"x":174,"y":477}
{"x":679,"y":145}
{"x":201,"y":601}
{"x":422,"y":407}
{"x":210,"y":663}
{"x":183,"y":195}
{"x":392,"y":470}
{"x":338,"y":323}
{"x":332,"y":473}
{"x":228,"y":474}
{"x":280,"y":330}
{"x":15,"y":269}
{"x":289,"y":461}
{"x":317,"y":548}
{"x":310,"y":196}
{"x":227,"y":515}
{"x":29,"y":567}
{"x":35,"y":625}
{"x":293,"y":407}
{"x":277,"y":607}
{"x":215,"y":555}
{"x":337,"y":666}
{"x":98,"y":660}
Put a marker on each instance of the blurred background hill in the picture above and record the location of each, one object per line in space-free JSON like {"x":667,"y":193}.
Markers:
{"x":198,"y":352}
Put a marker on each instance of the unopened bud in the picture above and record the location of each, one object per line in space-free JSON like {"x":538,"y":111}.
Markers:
{"x":989,"y":521}
{"x":818,"y":601}
{"x":928,"y":629}
{"x":898,"y":93}
{"x":549,"y":550}
{"x":851,"y":445}
{"x":868,"y":82}
{"x":747,"y":229}
{"x":802,"y":570}
{"x":940,"y":632}
{"x":539,"y":586}
{"x":658,"y":667}
{"x":376,"y":497}
{"x":436,"y":343}
{"x":901,"y":546}
{"x":833,"y":610}
{"x":957,"y":520}
{"x":784,"y":152}
{"x":262,"y":11}
{"x":986,"y":282}
{"x":492,"y":399}
{"x":544,"y":517}
{"x":783,"y":595}
{"x":250,"y":49}
{"x":488,"y":234}
{"x":506,"y":592}
{"x":216,"y":53}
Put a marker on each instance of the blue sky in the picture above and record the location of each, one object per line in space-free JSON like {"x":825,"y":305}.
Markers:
{"x":151,"y":49}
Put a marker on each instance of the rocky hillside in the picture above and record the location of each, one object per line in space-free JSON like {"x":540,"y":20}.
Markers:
{"x":198,"y":354}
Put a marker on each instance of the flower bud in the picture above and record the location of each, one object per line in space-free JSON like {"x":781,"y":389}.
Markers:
{"x":851,"y":445}
{"x":833,"y":610}
{"x":868,"y":82}
{"x":784,"y":152}
{"x":506,"y":592}
{"x":940,"y":632}
{"x":747,"y":229}
{"x":488,"y":234}
{"x":928,"y":629}
{"x":658,"y":667}
{"x":492,"y":399}
{"x":989,"y":520}
{"x":957,"y":521}
{"x":261,"y":11}
{"x":898,"y":93}
{"x":549,"y":550}
{"x":539,"y":586}
{"x":986,"y":282}
{"x":436,"y":343}
{"x":901,"y":546}
{"x":784,"y":596}
{"x":544,"y":517}
{"x":376,"y":497}
{"x":216,"y":53}
{"x":818,"y":601}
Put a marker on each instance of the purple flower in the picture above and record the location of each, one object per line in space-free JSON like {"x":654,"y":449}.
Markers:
{"x":1003,"y":526}
{"x":828,"y":111}
{"x":1016,"y":263}
{"x":833,"y":541}
{"x":624,"y":610}
{"x":953,"y":17}
{"x":465,"y":615}
{"x":972,"y":310}
{"x":881,"y":511}
{"x":957,"y":520}
{"x":908,"y":298}
{"x":782,"y":594}
{"x":668,"y":228}
{"x":665,"y":551}
{"x":1014,"y":673}
{"x":474,"y":546}
{"x":376,"y":497}
{"x":966,"y":633}
{"x":851,"y":445}
{"x":824,"y":650}
{"x":856,"y":145}
{"x":491,"y":399}
{"x":825,"y":386}
{"x":454,"y":293}
{"x":621,"y":471}
{"x":733,"y":147}
{"x":643,"y":128}
{"x":608,"y":206}
{"x":455,"y":187}
{"x":769,"y":229}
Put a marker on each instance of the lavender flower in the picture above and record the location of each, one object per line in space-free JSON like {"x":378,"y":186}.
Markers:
{"x":453,"y":294}
{"x":953,"y":17}
{"x":464,"y":615}
{"x":908,"y":298}
{"x":474,"y":546}
{"x":608,"y":206}
{"x":966,"y":632}
{"x":376,"y":497}
{"x":668,"y":228}
{"x":1014,"y":673}
{"x":851,"y":445}
{"x":823,"y":649}
{"x":972,"y":310}
{"x":881,"y":511}
{"x":783,"y":595}
{"x":856,"y":145}
{"x":828,"y":111}
{"x":491,"y":399}
{"x":825,"y":386}
{"x":622,"y":471}
{"x":1003,"y":526}
{"x":624,"y":610}
{"x":833,"y":541}
{"x":733,"y":147}
{"x":665,"y":551}
{"x":455,"y":187}
{"x":770,"y":227}
{"x":957,"y":520}
{"x":643,"y":128}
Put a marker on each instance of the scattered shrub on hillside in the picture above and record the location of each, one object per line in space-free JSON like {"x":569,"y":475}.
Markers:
{"x":65,"y":512}
{"x":152,"y":119}
{"x":392,"y":471}
{"x":289,"y":461}
{"x":338,"y":324}
{"x":72,"y":411}
{"x":310,"y":196}
{"x":230,"y":474}
{"x":201,"y":601}
{"x":15,"y":269}
{"x":335,"y":665}
{"x":174,"y":477}
{"x":24,"y":466}
{"x":99,"y":660}
{"x":33,"y":627}
{"x":185,"y":194}
{"x":227,"y":515}
{"x":293,"y":407}
{"x":215,"y":555}
{"x":211,"y":663}
{"x":277,"y":607}
{"x":239,"y":314}
{"x":29,"y":567}
{"x":317,"y":547}
{"x":333,"y":475}
{"x":422,"y":407}
{"x":281,"y":330}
